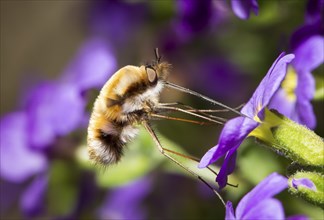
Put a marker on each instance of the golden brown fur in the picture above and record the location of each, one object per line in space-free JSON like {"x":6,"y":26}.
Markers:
{"x":126,"y":99}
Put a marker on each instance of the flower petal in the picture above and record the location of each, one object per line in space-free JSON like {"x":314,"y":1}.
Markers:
{"x":267,"y":209}
{"x":268,"y":86}
{"x":304,"y":182}
{"x":306,"y":115}
{"x":53,"y":109}
{"x":191,"y":20}
{"x":229,"y":215}
{"x":306,"y":86}
{"x":208,"y":158}
{"x":242,"y":8}
{"x":303,"y":33}
{"x":233,"y":133}
{"x":227,"y":168}
{"x":267,"y":188}
{"x":32,"y":200}
{"x":131,"y":194}
{"x":116,"y":21}
{"x":17,"y":160}
{"x":305,"y":91}
{"x":301,"y":109}
{"x":92,"y":66}
{"x":283,"y":104}
{"x":309,"y":54}
{"x":68,"y":109}
{"x":39,"y":110}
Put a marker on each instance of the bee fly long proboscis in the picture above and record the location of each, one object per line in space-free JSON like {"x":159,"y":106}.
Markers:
{"x":131,"y":97}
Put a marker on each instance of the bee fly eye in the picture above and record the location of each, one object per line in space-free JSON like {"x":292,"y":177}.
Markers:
{"x":151,"y":74}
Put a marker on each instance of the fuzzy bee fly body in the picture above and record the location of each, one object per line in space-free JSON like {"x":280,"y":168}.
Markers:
{"x":127,"y":99}
{"x":131,"y":97}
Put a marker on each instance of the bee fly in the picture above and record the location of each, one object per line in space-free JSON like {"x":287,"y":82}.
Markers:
{"x":131,"y":97}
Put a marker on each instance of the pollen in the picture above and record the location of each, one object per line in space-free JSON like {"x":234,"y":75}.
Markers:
{"x":289,"y":84}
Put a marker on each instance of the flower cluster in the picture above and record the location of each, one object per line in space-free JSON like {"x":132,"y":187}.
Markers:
{"x":51,"y":109}
{"x":197,"y":17}
{"x":294,"y":97}
{"x":237,"y":129}
{"x":259,"y":204}
{"x":286,"y":91}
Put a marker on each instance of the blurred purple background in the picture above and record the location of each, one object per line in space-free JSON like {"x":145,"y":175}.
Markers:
{"x":56,"y":55}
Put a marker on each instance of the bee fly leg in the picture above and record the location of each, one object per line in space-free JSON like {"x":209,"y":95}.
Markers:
{"x":202,"y":112}
{"x":197,"y":160}
{"x":162,"y":151}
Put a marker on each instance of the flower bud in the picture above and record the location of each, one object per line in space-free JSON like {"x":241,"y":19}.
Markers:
{"x":309,"y":186}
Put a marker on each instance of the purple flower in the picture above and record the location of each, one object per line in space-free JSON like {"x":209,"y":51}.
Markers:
{"x":32,"y":200}
{"x":305,"y":32}
{"x":243,"y":8}
{"x":293,"y":99}
{"x":314,"y":10}
{"x":125,"y":202}
{"x":259,"y":204}
{"x":117,"y":20}
{"x":192,"y":19}
{"x":194,"y":16}
{"x":18,"y":160}
{"x":303,"y":182}
{"x":237,"y":129}
{"x":92,"y":66}
{"x":53,"y":109}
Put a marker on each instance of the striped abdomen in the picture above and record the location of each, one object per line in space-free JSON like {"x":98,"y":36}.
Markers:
{"x":124,"y":101}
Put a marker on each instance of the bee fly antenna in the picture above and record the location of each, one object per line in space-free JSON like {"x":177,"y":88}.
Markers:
{"x":157,"y":56}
